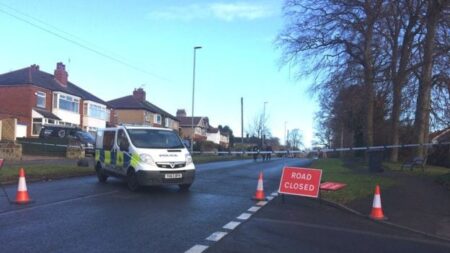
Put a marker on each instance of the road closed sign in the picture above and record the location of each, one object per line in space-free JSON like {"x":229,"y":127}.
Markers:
{"x":300,"y":181}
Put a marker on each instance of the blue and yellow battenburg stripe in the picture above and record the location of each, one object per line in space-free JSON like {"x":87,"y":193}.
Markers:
{"x":117,"y":158}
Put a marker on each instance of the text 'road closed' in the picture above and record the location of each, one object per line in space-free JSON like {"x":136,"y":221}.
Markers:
{"x":300,"y":181}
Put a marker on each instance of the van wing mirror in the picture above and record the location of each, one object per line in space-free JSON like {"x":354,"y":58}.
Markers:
{"x":187,"y":143}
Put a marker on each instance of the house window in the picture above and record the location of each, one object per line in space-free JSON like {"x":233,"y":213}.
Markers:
{"x":37,"y":126}
{"x":40,"y":99}
{"x":147,"y":117}
{"x":69,"y":103}
{"x":97,"y":111}
{"x":167,"y":122}
{"x":157,"y":119}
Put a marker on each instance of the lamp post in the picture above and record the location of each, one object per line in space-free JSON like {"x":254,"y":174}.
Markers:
{"x":193,"y":97}
{"x":285,"y":134}
{"x":264,"y":123}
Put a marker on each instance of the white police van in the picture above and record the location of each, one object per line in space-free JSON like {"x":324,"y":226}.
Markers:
{"x":143,"y":156}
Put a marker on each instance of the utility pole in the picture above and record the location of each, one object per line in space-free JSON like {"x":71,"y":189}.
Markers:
{"x":242,"y":120}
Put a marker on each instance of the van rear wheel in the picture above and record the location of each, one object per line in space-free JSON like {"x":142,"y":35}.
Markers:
{"x":100,"y":175}
{"x":132,"y":181}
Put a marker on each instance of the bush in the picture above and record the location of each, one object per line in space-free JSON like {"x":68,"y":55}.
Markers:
{"x":206,"y":146}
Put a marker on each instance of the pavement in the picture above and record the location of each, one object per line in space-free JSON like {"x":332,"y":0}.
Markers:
{"x":417,"y":208}
{"x":306,"y":225}
{"x":415,"y":202}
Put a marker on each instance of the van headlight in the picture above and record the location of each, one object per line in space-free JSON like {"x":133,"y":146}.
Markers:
{"x":147,"y":159}
{"x":188,"y":159}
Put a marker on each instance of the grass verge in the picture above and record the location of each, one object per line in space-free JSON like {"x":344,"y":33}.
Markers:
{"x":198,"y":159}
{"x":359,"y":185}
{"x":43,"y":172}
{"x":38,"y":172}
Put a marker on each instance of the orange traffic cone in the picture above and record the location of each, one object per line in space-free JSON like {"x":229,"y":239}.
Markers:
{"x":377,"y":211}
{"x":22,"y":192}
{"x":259,"y":195}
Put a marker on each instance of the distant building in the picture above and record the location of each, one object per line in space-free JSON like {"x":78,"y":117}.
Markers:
{"x":36,"y":98}
{"x":202,"y":129}
{"x":135,"y":109}
{"x":201,"y":125}
{"x":215,"y":135}
{"x":440,"y":154}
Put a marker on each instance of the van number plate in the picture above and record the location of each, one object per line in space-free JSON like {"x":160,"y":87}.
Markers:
{"x":173,"y":175}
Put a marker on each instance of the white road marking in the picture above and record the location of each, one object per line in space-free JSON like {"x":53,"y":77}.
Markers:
{"x":269,"y":198}
{"x":254,"y":209}
{"x":274,"y":194}
{"x":216,"y":236}
{"x":232,"y":225}
{"x":197,"y":249}
{"x":261,"y":203}
{"x":244,"y":216}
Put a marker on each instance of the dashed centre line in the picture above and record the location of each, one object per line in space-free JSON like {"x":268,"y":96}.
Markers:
{"x":197,"y":249}
{"x":254,"y":209}
{"x":216,"y":236}
{"x":244,"y":216}
{"x":231,"y":225}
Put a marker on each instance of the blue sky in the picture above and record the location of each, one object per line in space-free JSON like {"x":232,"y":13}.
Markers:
{"x":156,"y":38}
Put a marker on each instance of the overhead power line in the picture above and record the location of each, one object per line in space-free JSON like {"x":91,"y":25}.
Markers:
{"x":73,"y":41}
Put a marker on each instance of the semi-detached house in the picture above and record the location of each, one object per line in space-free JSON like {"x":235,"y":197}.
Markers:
{"x":37,"y":98}
{"x":136,"y":110}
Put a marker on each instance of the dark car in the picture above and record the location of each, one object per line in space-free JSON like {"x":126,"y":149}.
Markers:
{"x":85,"y":139}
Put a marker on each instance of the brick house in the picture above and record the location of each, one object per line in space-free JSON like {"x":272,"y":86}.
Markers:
{"x":37,"y":98}
{"x":135,"y":109}
{"x":201,"y":126}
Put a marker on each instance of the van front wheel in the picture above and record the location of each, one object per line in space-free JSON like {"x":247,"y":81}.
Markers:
{"x":184,"y":187}
{"x":100,"y":175}
{"x":132,"y":180}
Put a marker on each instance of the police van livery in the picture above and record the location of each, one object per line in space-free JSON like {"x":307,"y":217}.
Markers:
{"x":143,"y":156}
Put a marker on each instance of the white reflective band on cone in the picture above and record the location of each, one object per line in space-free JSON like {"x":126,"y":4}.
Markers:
{"x":376,"y":201}
{"x":260,"y":185}
{"x":22,"y":187}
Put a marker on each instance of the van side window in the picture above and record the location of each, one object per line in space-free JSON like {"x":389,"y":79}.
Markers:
{"x":108,"y":140}
{"x":122,"y":141}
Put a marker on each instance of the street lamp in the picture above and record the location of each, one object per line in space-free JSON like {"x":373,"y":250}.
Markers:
{"x":193,"y":97}
{"x":264,"y":123}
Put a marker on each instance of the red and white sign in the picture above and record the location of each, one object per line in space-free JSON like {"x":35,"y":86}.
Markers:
{"x":332,"y":186}
{"x":300,"y":181}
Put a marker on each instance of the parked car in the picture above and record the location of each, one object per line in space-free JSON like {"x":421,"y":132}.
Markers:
{"x":86,"y":140}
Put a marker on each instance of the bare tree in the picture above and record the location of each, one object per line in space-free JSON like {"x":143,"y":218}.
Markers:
{"x":401,"y":27}
{"x":295,"y":138}
{"x":435,"y":9}
{"x":330,"y":35}
{"x":259,"y":127}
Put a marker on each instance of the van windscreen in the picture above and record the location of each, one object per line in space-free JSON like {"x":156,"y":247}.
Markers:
{"x":152,"y":138}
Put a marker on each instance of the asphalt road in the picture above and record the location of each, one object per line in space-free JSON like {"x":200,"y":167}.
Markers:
{"x":81,"y":215}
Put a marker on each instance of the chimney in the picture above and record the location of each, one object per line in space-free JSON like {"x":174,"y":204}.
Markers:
{"x":181,"y":113}
{"x":34,"y":67}
{"x":139,"y":94}
{"x":61,"y":74}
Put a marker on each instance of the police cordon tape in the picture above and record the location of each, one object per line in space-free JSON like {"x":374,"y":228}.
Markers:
{"x":50,"y":144}
{"x":326,"y":150}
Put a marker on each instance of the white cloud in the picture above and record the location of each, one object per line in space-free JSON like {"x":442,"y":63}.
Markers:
{"x":232,"y":11}
{"x":222,"y":11}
